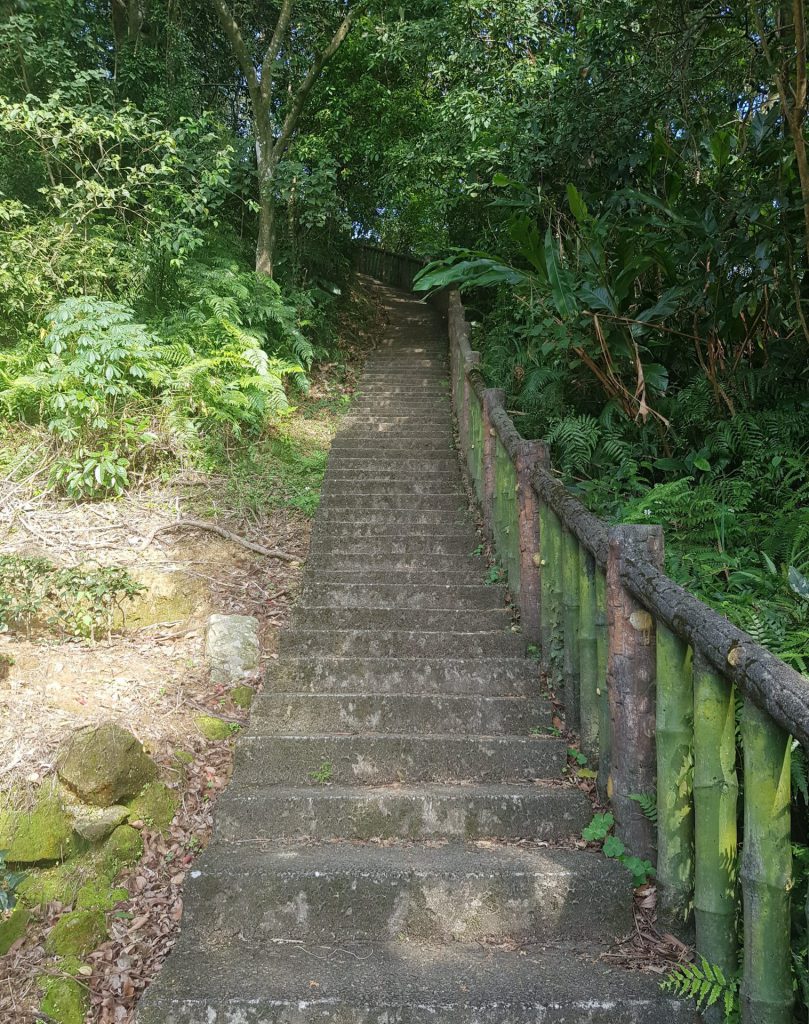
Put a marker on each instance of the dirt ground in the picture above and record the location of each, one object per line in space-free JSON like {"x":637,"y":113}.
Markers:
{"x":152,"y":679}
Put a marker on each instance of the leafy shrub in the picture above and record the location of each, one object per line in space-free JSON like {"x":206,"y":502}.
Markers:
{"x":79,"y":601}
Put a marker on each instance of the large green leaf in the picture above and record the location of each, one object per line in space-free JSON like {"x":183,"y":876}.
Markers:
{"x":560,"y":280}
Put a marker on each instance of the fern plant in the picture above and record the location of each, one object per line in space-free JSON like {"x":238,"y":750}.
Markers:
{"x":707,"y":985}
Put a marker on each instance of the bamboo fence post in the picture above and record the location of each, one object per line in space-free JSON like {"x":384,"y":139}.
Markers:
{"x":766,"y":870}
{"x":530,"y":454}
{"x":550,"y":580}
{"x":570,"y":628}
{"x":675,"y":739}
{"x":491,"y":397}
{"x":604,"y":729}
{"x":468,"y":362}
{"x":590,"y":712}
{"x":716,"y":793}
{"x":631,"y":674}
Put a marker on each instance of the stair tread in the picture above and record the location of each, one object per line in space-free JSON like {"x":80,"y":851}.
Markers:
{"x":372,"y":983}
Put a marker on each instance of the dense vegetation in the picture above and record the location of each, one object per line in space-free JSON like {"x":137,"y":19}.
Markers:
{"x":634,"y":175}
{"x":179,"y":187}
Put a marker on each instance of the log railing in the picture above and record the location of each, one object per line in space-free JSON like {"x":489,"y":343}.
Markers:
{"x":650,"y":677}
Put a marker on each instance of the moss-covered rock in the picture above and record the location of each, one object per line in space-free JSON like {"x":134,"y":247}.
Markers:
{"x":124,"y":846}
{"x":99,"y":894}
{"x":12,"y":927}
{"x":39,"y":835}
{"x":77,"y":932}
{"x":183,"y":757}
{"x":155,"y":806}
{"x":242,"y":696}
{"x":59,"y":884}
{"x":65,"y":1000}
{"x":104,"y":764}
{"x":213,"y":728}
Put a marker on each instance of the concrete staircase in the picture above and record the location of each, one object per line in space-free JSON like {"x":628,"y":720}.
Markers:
{"x":392,"y":849}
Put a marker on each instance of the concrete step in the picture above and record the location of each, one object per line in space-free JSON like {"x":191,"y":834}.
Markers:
{"x":429,"y":502}
{"x":402,"y":983}
{"x":417,"y":430}
{"x":312,"y":616}
{"x":395,"y":545}
{"x":397,"y":519}
{"x":428,"y":577}
{"x":388,"y":389}
{"x":347,"y":529}
{"x":378,"y":447}
{"x":364,"y":484}
{"x":378,"y":450}
{"x":415,"y":425}
{"x":345,"y":892}
{"x":516,"y":677}
{"x":400,"y":596}
{"x":403,"y":459}
{"x":378,"y":760}
{"x":357,"y":714}
{"x":426,"y":479}
{"x":472,"y":566}
{"x":401,"y":643}
{"x":545,"y":813}
{"x":385,"y":467}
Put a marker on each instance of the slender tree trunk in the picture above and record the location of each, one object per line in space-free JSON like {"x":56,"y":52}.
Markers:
{"x":265,"y":243}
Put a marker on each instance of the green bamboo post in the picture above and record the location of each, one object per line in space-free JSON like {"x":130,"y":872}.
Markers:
{"x":588,"y":656}
{"x":570,"y":628}
{"x":531,"y":454}
{"x":675,"y":740}
{"x":602,"y":646}
{"x":766,"y":872}
{"x":550,"y":532}
{"x":716,"y":792}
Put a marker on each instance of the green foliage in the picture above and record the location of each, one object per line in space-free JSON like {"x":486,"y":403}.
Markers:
{"x":74,"y":601}
{"x":707,"y":985}
{"x":599,"y":831}
{"x":9,"y":880}
{"x":647,"y":803}
{"x":322,"y":775}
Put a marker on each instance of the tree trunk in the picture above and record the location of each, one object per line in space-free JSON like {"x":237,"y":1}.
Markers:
{"x":265,"y":243}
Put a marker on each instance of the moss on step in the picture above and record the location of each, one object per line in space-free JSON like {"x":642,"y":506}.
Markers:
{"x":213,"y":728}
{"x":77,"y":932}
{"x":242,"y":696}
{"x":124,"y":846}
{"x":12,"y":927}
{"x":64,"y":1000}
{"x":155,"y":806}
{"x":99,"y":895}
{"x":39,"y":835}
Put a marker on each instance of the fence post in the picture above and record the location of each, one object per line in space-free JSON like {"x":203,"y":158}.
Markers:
{"x":570,"y":629}
{"x":468,"y":363}
{"x":631,"y":672}
{"x":589,"y":686}
{"x":675,"y":813}
{"x":530,"y":454}
{"x":604,"y":729}
{"x":766,"y":991}
{"x":491,"y":398}
{"x":716,"y":792}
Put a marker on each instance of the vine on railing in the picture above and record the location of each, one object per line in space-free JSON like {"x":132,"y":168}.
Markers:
{"x":650,"y":676}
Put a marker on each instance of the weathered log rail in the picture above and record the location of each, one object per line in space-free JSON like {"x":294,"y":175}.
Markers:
{"x":649,"y":676}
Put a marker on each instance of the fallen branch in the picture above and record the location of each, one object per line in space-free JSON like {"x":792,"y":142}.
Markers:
{"x":198,"y":524}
